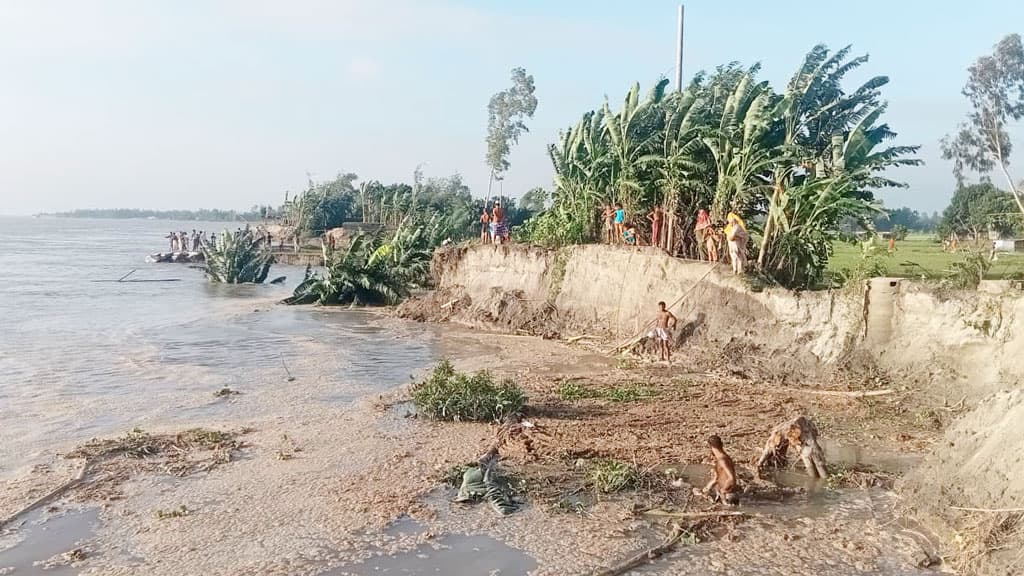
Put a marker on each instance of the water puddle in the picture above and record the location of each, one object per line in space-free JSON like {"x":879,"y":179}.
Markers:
{"x":452,"y":555}
{"x":26,"y":546}
{"x":850,"y":455}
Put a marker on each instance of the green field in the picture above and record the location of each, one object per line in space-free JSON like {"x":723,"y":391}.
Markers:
{"x":922,"y":255}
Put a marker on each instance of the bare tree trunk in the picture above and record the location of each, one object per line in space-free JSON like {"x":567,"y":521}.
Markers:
{"x":768,"y":225}
{"x":1013,"y":187}
{"x":671,"y":240}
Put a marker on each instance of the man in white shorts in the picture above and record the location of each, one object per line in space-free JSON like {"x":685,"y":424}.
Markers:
{"x":663,"y":327}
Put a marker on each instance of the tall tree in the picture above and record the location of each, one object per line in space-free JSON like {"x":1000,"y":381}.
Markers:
{"x":506,"y":121}
{"x":995,"y":90}
{"x":976,"y":209}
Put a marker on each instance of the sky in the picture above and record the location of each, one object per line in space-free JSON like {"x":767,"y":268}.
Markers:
{"x":177,"y":104}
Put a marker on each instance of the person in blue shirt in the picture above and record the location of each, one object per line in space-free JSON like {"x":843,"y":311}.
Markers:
{"x":620,"y":220}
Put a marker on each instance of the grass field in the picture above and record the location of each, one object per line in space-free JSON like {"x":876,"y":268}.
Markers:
{"x":922,"y":255}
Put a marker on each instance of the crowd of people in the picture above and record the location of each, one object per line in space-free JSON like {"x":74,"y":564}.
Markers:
{"x":185,"y":242}
{"x":619,"y":230}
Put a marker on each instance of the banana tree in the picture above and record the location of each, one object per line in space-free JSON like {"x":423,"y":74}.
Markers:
{"x":237,"y":258}
{"x":806,"y":218}
{"x":633,"y":134}
{"x":684,"y":165}
{"x":583,"y":172}
{"x":740,"y":147}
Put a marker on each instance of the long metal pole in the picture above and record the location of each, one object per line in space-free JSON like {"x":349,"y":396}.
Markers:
{"x":679,"y":53}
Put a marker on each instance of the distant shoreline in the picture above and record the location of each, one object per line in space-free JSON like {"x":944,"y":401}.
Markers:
{"x":138,"y":214}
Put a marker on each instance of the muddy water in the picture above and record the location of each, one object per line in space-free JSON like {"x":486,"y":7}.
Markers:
{"x":452,"y":554}
{"x":40,"y":537}
{"x":82,"y":359}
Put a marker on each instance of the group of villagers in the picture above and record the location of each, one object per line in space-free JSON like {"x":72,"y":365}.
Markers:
{"x":618,"y":230}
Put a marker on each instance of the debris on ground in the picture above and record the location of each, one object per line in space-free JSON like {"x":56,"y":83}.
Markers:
{"x":485,"y":481}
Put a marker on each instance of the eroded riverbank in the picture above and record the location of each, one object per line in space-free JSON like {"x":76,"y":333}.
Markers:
{"x":327,"y":486}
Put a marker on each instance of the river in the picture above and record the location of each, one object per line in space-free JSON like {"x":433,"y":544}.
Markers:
{"x":81,"y":358}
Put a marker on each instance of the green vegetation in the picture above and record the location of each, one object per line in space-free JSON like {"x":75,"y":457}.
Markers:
{"x":995,"y":91}
{"x":373,"y":269}
{"x":323,"y":205}
{"x":451,"y":395}
{"x":237,"y":258}
{"x":977,"y":209}
{"x":798,"y":162}
{"x":918,"y":256}
{"x":609,"y":476}
{"x":629,"y":393}
{"x":506,"y":121}
{"x":446,"y":202}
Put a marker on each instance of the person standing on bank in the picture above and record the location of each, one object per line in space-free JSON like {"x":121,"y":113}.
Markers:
{"x":656,"y":217}
{"x":664,"y":324}
{"x":485,"y":226}
{"x":736,"y":235}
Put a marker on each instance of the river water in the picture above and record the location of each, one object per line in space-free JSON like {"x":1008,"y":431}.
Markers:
{"x":80,"y":358}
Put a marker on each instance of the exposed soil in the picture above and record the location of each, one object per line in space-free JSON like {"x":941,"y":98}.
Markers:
{"x":317,"y":486}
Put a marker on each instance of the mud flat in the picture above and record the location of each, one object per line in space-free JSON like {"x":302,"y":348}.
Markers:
{"x":309,"y":487}
{"x":315,"y":489}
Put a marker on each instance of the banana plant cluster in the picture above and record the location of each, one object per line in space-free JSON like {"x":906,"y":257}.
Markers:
{"x":237,"y":258}
{"x":373,"y":269}
{"x":795,"y":163}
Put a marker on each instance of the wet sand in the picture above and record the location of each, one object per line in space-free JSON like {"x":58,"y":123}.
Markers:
{"x":352,"y":487}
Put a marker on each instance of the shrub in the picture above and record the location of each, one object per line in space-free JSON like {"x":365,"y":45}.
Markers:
{"x":968,"y":272}
{"x":610,"y":476}
{"x":451,"y":395}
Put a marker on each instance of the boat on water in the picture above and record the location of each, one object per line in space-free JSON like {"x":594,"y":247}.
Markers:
{"x":176,"y":257}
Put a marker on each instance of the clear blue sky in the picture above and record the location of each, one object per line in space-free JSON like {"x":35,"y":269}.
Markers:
{"x":228,"y":103}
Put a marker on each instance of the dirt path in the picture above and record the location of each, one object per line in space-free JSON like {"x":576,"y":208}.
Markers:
{"x":319,"y":488}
